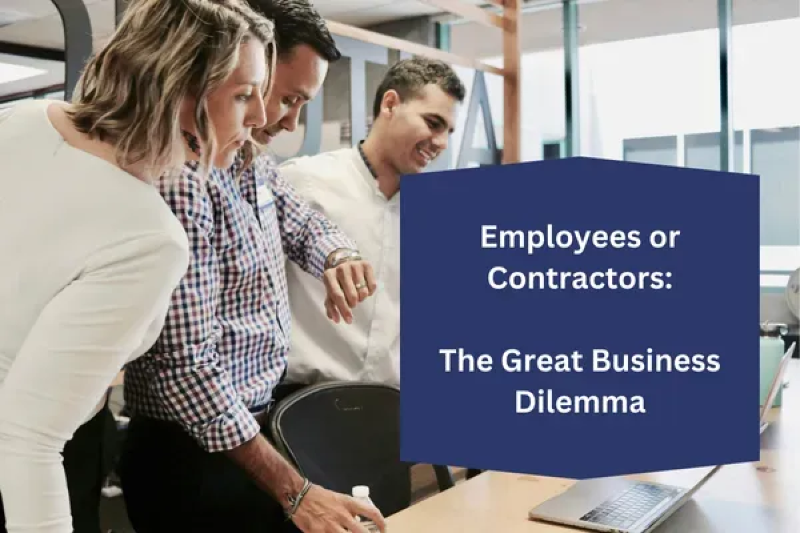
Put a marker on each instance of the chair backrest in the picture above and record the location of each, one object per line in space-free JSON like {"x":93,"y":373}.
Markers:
{"x":344,"y":434}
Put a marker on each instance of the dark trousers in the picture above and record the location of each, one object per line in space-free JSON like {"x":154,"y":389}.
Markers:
{"x":285,"y":389}
{"x":88,"y":460}
{"x":171,"y":484}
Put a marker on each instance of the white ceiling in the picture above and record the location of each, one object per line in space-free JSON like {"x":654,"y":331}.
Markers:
{"x":37,"y":23}
{"x":604,"y":20}
{"x":42,"y":26}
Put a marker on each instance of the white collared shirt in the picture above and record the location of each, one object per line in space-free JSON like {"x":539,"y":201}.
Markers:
{"x":340,"y":185}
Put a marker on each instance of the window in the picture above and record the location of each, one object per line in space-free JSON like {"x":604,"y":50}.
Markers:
{"x":764,"y":88}
{"x":702,"y":150}
{"x":656,"y":150}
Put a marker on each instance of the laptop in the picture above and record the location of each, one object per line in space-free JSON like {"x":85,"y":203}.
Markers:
{"x":620,"y":505}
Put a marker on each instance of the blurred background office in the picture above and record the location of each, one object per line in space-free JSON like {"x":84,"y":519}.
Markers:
{"x":709,"y":84}
{"x":635,"y":80}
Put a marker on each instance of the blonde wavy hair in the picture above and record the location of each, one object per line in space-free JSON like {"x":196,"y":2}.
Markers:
{"x":131,"y":92}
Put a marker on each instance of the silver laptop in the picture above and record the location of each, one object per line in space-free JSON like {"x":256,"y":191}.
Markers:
{"x":620,"y":505}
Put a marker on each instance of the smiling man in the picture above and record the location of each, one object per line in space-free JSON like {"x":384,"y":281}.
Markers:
{"x":195,"y":457}
{"x":359,"y":190}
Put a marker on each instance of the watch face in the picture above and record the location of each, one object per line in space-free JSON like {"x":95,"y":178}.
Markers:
{"x":343,"y":254}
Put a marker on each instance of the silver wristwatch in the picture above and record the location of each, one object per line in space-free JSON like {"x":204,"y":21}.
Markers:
{"x":340,"y":256}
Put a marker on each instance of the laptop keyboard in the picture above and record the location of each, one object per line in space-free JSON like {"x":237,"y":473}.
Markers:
{"x":629,"y":506}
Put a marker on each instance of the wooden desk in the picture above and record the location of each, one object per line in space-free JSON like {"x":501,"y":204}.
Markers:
{"x":762,"y":497}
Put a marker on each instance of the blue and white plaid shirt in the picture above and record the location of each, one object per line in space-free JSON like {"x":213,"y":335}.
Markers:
{"x":226,"y":338}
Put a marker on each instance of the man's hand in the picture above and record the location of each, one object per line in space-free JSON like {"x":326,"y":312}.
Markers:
{"x":347,"y":284}
{"x":320,"y":510}
{"x":325,"y":511}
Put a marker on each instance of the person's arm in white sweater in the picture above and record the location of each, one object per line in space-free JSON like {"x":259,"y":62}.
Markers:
{"x":78,"y":344}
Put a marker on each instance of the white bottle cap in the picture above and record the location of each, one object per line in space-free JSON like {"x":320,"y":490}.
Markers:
{"x":361,"y":491}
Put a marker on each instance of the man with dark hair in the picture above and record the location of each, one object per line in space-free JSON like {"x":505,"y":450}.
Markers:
{"x":359,"y":189}
{"x":305,"y":48}
{"x":195,"y":458}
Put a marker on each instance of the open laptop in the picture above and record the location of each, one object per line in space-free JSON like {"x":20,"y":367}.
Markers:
{"x":620,"y":505}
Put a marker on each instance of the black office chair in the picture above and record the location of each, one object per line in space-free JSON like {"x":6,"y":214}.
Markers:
{"x":344,"y":434}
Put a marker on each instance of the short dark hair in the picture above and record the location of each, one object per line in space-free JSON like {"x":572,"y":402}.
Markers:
{"x":298,"y":23}
{"x":409,"y":76}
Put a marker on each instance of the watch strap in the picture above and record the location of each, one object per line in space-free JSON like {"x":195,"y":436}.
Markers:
{"x":342,"y":255}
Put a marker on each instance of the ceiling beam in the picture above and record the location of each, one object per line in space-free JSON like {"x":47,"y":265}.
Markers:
{"x":33,"y":52}
{"x":33,"y":93}
{"x":360,"y":34}
{"x":468,"y":12}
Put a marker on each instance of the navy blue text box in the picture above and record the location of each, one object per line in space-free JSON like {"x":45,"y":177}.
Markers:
{"x":495,"y":261}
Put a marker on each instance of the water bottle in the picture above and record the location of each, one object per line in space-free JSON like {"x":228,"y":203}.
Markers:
{"x":361,"y":493}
